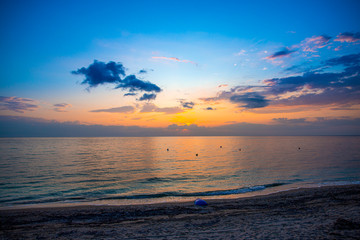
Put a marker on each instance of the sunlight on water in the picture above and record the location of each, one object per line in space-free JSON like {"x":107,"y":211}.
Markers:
{"x":41,"y":170}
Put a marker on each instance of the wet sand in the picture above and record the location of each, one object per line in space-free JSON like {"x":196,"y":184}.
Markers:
{"x":316,"y":213}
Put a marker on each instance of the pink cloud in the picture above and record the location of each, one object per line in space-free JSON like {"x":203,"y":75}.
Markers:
{"x":174,"y":59}
{"x":348,"y":37}
{"x":313,"y":43}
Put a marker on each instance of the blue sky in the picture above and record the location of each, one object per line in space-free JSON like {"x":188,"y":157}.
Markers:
{"x":199,"y":52}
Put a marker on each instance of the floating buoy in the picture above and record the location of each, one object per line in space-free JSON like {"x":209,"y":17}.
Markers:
{"x":200,"y":202}
{"x":167,"y":149}
{"x":197,"y":154}
{"x":220,"y":146}
{"x":299,"y":148}
{"x":239,"y":149}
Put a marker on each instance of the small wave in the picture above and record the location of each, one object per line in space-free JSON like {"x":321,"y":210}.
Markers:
{"x":198,"y":194}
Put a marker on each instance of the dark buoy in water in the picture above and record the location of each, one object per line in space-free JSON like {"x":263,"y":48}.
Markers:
{"x":220,"y":146}
{"x":299,"y":148}
{"x":167,"y":149}
{"x":200,"y":202}
{"x":197,"y":154}
{"x":239,"y":149}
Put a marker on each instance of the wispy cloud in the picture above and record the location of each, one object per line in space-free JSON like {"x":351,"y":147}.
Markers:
{"x":61,"y":107}
{"x":123,"y":109}
{"x":308,"y":45}
{"x":17,"y":104}
{"x":242,"y":52}
{"x":315,"y":42}
{"x":348,"y":37}
{"x":150,"y":107}
{"x":174,"y":59}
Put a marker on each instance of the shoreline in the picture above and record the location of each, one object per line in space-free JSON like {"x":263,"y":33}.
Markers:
{"x":177,"y":200}
{"x":328,"y":212}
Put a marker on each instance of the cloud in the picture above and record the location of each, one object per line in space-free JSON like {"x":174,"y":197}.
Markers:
{"x":240,"y":53}
{"x":210,"y":108}
{"x":244,"y":96}
{"x":223,"y":85}
{"x":287,"y":121}
{"x":134,"y":84}
{"x":149,"y":107}
{"x":147,"y":97}
{"x":314,"y":87}
{"x":283,"y":53}
{"x":61,"y":107}
{"x":347,"y":60}
{"x":307,"y":45}
{"x":250,"y":100}
{"x":14,"y":126}
{"x":17,"y":104}
{"x":142,"y":71}
{"x":99,"y":73}
{"x":188,"y":105}
{"x":313,"y":43}
{"x":174,"y":59}
{"x":348,"y":37}
{"x":123,"y":109}
{"x":130,"y":94}
{"x":320,"y":88}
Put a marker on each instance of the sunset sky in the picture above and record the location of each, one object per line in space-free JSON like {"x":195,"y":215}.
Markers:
{"x":180,"y":67}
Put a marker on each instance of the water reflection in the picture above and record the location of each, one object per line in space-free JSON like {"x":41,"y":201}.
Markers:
{"x":91,"y":168}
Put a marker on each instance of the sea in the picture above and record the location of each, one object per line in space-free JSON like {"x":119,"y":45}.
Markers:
{"x":43,"y":172}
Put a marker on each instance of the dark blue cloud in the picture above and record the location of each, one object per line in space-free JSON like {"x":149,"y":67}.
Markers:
{"x":142,"y":71}
{"x":347,"y":60}
{"x":210,"y":108}
{"x":99,"y":73}
{"x":132,"y":83}
{"x":279,"y":54}
{"x":130,"y":94}
{"x":250,"y":100}
{"x":188,"y":105}
{"x":147,"y":97}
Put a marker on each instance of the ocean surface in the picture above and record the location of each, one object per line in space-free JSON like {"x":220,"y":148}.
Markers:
{"x":135,"y":170}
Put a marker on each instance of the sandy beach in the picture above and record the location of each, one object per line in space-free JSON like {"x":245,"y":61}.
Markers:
{"x":316,"y":213}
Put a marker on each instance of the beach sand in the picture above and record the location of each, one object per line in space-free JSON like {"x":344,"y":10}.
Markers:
{"x":314,"y":213}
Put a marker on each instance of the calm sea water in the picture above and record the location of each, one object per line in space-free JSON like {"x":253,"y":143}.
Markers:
{"x":35,"y":171}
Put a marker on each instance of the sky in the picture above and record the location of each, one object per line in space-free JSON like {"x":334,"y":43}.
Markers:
{"x":149,"y":68}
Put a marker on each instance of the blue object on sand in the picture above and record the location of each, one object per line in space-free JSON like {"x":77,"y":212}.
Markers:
{"x":200,"y":202}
